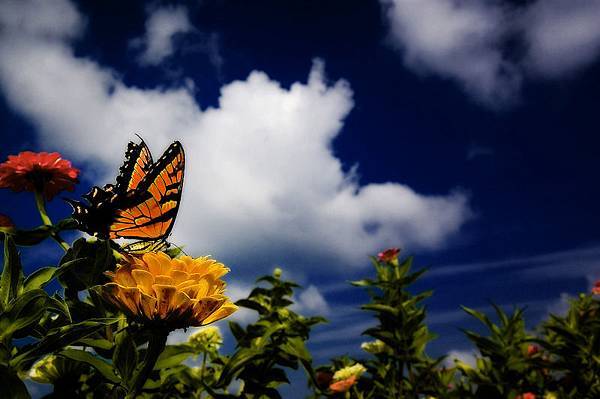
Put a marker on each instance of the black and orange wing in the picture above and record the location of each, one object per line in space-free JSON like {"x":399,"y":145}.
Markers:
{"x":148,"y":212}
{"x":137,"y":165}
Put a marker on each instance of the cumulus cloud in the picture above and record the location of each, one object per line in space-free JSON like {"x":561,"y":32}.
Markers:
{"x":311,"y":302}
{"x":162,"y":27}
{"x":562,"y":35}
{"x":473,"y":42}
{"x":457,"y":40}
{"x":262,"y":184}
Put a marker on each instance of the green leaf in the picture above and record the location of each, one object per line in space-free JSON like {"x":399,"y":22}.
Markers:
{"x":31,"y":237}
{"x":236,"y":362}
{"x":250,"y":304}
{"x":58,"y":338}
{"x":173,"y":355}
{"x":125,"y":355}
{"x":39,"y":278}
{"x":97,"y":363}
{"x":96,"y":343}
{"x":363,"y":283}
{"x":97,"y":258}
{"x":237,"y":330}
{"x":382,"y":309}
{"x":66,"y":224}
{"x":295,"y":347}
{"x":25,"y":310}
{"x":11,"y":280}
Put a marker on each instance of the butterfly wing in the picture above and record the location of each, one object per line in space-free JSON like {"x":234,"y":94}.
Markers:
{"x":141,"y":247}
{"x":148,"y":212}
{"x":138,"y":162}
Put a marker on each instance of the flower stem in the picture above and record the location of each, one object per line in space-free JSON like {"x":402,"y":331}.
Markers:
{"x":203,"y":366}
{"x":41,"y":206}
{"x":155,"y":347}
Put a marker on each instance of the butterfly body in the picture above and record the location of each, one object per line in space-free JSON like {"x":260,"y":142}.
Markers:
{"x":143,"y":203}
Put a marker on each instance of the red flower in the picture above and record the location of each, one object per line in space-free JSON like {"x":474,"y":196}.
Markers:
{"x":344,"y":385}
{"x":596,"y":288}
{"x":38,"y":171}
{"x":532,"y":350}
{"x":389,"y":255}
{"x":6,"y":223}
{"x":526,"y":395}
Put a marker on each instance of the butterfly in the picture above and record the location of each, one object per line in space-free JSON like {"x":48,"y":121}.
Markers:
{"x":143,"y":203}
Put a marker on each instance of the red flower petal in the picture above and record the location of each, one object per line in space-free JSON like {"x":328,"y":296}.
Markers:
{"x":388,"y":255}
{"x":31,"y":171}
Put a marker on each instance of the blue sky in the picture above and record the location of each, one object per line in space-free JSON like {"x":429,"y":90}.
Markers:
{"x":318,"y":133}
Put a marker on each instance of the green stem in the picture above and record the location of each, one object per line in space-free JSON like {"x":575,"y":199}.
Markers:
{"x":41,"y":206}
{"x":203,"y":366}
{"x":155,"y":347}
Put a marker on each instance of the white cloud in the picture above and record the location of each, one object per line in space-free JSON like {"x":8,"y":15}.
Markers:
{"x":472,"y":42}
{"x":456,"y":40}
{"x":574,"y":263}
{"x":311,"y":302}
{"x":262,"y":184}
{"x":162,"y":26}
{"x":45,"y":18}
{"x":562,"y":35}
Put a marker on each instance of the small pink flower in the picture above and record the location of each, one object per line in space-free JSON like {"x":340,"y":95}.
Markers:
{"x":389,"y":255}
{"x":596,"y":288}
{"x":526,"y":395}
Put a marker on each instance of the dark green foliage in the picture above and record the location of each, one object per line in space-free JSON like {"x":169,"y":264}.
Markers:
{"x":87,"y":350}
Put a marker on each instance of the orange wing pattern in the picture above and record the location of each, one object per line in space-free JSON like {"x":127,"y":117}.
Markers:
{"x":138,"y":162}
{"x":151,"y":208}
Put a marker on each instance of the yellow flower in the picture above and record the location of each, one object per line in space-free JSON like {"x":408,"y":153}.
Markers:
{"x":350,"y":371}
{"x":208,"y":338}
{"x":374,"y":347}
{"x":550,"y":395}
{"x":178,"y":293}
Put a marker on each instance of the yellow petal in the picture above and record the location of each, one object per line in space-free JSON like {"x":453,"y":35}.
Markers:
{"x":123,"y":277}
{"x":144,"y":280}
{"x":165,"y":263}
{"x":163,"y":280}
{"x":153,"y":263}
{"x":204,"y":308}
{"x":179,"y":276}
{"x":177,"y":264}
{"x":130,"y":298}
{"x":203,"y":287}
{"x":186,"y":283}
{"x":181,"y":299}
{"x":148,"y":305}
{"x":225,"y":310}
{"x":164,"y":295}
